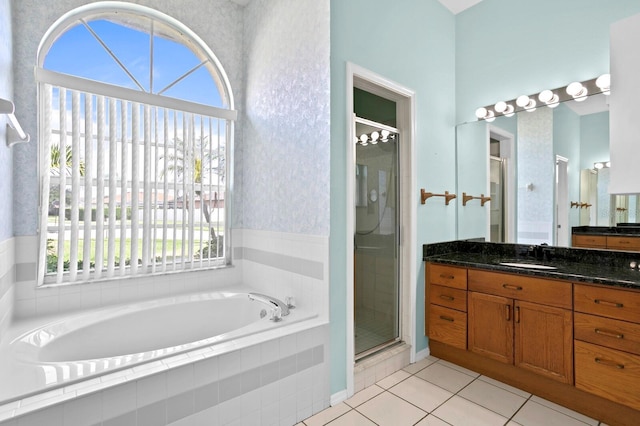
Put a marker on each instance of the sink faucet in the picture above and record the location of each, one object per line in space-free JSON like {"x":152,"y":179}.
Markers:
{"x":284,"y":307}
{"x":541,"y":252}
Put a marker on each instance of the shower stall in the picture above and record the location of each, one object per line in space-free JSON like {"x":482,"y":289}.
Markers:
{"x":376,"y":240}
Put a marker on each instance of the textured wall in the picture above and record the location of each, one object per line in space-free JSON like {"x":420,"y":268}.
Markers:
{"x":285,"y":151}
{"x":217,"y":22}
{"x":6,"y":92}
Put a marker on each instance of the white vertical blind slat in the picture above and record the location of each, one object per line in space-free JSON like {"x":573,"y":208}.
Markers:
{"x":165,"y":186}
{"x":75,"y":184}
{"x":101,"y":121}
{"x":203,"y":199}
{"x":185,"y":173}
{"x":191,"y":182}
{"x":113,"y":182}
{"x":88,"y":186}
{"x":62,"y":172}
{"x":45,"y":163}
{"x":156,"y":199}
{"x":124,"y":177}
{"x":146,"y":196}
{"x":135,"y":185}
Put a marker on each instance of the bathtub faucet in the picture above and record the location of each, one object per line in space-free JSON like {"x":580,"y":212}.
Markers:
{"x":284,"y":308}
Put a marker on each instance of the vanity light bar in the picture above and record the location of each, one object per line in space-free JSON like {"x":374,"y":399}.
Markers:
{"x":578,"y":91}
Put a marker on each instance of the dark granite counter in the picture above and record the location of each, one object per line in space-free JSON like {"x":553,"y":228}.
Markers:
{"x":618,"y":231}
{"x":575,"y":265}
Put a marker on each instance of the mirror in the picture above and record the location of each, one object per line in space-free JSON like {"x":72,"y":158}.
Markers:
{"x":538,"y":168}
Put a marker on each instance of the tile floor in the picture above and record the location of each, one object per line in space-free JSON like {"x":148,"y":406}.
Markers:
{"x":433,"y":392}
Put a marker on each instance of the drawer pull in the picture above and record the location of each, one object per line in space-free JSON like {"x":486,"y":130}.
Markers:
{"x":607,"y":303}
{"x":609,"y":333}
{"x":517,"y":315}
{"x":609,"y":363}
{"x":512,"y":287}
{"x":447,"y":277}
{"x":442,"y":317}
{"x":447,"y":297}
{"x":508,"y":312}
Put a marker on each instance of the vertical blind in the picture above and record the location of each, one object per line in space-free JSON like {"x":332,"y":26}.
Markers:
{"x":129,"y":187}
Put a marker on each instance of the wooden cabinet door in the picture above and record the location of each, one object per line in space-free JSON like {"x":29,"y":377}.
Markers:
{"x":544,"y":340}
{"x":490,"y":326}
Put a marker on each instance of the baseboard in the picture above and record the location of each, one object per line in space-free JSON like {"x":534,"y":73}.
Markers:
{"x":422,"y":354}
{"x":338,"y":397}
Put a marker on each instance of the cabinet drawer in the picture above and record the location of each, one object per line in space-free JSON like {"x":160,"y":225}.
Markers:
{"x":595,"y":241}
{"x":623,"y":243}
{"x":607,"y":332}
{"x":608,"y":373}
{"x":448,"y":326}
{"x":448,"y":276}
{"x":530,"y":289}
{"x":448,"y":297}
{"x":607,"y":302}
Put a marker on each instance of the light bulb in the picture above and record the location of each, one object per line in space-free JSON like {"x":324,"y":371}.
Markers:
{"x":490,"y":117}
{"x":500,"y":107}
{"x":608,"y":164}
{"x":598,"y":165}
{"x":375,"y":136}
{"x":604,"y":83}
{"x":549,"y":98}
{"x":385,"y":134}
{"x":364,"y":138}
{"x":481,"y":112}
{"x":574,"y":89}
{"x":522,"y":101}
{"x":531,"y":106}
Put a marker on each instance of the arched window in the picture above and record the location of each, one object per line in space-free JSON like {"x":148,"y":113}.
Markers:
{"x":136,"y":119}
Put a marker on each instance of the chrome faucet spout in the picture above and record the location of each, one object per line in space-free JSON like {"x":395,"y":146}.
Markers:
{"x":270,"y":301}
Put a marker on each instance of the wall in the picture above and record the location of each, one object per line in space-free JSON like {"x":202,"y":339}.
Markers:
{"x":411,"y":43}
{"x":523,"y":47}
{"x":566,"y":143}
{"x":6,"y":183}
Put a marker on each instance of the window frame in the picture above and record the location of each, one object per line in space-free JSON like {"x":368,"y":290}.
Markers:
{"x":45,"y":78}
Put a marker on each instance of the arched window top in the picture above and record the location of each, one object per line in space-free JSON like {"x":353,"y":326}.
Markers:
{"x":138,"y":48}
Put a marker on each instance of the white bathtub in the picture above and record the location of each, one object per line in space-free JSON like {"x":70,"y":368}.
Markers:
{"x":83,"y":346}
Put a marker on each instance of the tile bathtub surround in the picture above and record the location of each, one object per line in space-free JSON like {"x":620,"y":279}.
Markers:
{"x":282,"y":380}
{"x":436,"y":392}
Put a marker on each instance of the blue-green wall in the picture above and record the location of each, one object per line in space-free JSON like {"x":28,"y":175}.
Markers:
{"x":413,"y":44}
{"x":506,"y":48}
{"x":566,"y":142}
{"x":594,"y":131}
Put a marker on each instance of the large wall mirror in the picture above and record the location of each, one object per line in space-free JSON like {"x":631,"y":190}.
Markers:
{"x":540,"y":169}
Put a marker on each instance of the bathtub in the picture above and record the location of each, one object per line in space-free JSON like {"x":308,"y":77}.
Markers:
{"x":122,"y":342}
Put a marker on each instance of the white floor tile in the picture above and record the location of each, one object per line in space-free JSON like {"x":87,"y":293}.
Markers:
{"x":505,"y":386}
{"x":460,"y":369}
{"x":461,"y":412}
{"x":432,"y":420}
{"x":363,"y":396}
{"x":417,"y":366}
{"x":445,"y":377}
{"x":586,"y":419}
{"x":388,"y":409}
{"x":393,"y":379}
{"x":325,"y":416}
{"x":534,"y":414}
{"x":421,"y":393}
{"x":352,"y":418}
{"x":492,"y":397}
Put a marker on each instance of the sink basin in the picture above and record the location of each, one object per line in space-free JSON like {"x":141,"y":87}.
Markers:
{"x":528,"y":265}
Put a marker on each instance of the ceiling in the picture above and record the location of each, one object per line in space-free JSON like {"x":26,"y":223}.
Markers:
{"x":457,"y":6}
{"x":593,"y":104}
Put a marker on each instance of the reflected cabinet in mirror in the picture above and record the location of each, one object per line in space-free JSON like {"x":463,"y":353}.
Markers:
{"x":547,"y":172}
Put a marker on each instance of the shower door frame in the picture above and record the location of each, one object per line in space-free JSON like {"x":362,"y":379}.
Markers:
{"x":406,"y":115}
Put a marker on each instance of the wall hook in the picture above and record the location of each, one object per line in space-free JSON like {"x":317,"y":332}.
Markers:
{"x":15,"y":134}
{"x":466,"y":198}
{"x":425,"y":195}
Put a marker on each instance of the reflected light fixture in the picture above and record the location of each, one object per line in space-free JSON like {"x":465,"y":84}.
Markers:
{"x":374,"y":137}
{"x":577,"y":91}
{"x":604,"y":83}
{"x":485,"y":114}
{"x":602,"y":165}
{"x":549,"y":98}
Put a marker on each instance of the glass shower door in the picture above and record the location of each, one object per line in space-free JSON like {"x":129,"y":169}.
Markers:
{"x":376,"y":282}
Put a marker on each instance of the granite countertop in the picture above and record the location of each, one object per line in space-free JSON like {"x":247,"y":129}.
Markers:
{"x":619,"y":231}
{"x":575,"y":265}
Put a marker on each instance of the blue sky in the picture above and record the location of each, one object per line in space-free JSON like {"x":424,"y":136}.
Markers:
{"x":78,"y":53}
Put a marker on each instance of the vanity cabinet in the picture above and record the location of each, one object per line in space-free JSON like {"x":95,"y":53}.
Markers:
{"x":446,"y":315}
{"x":522,"y":321}
{"x":607,"y":343}
{"x":611,"y":242}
